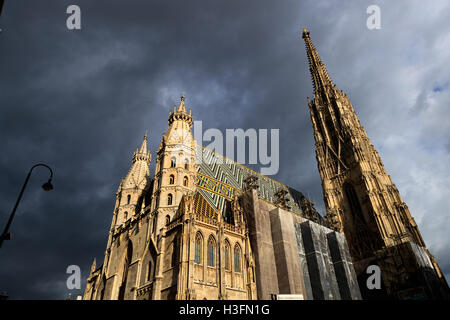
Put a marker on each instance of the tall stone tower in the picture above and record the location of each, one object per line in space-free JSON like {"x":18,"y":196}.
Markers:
{"x":360,"y":198}
{"x":131,"y":199}
{"x":131,"y":194}
{"x":175,"y":167}
{"x":168,"y":239}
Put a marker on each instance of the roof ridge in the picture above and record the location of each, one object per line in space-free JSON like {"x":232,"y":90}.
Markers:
{"x":244,"y":166}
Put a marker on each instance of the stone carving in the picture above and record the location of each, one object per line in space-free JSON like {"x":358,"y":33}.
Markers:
{"x":332,"y":219}
{"x":281,"y":200}
{"x":251,"y":183}
{"x":309,"y":211}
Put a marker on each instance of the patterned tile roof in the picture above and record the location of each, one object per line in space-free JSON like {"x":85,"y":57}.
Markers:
{"x":219,"y":178}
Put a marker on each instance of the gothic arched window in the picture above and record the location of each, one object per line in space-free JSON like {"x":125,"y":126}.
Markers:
{"x":185,"y":181}
{"x":198,"y":248}
{"x":125,"y":216}
{"x":352,"y":198}
{"x":167,"y":220}
{"x":173,"y":162}
{"x":169,"y":199}
{"x":125,"y":266}
{"x":227,"y":256}
{"x":128,"y":199}
{"x":171,"y":179}
{"x":186,"y":164}
{"x":237,"y":258}
{"x":210,"y":249}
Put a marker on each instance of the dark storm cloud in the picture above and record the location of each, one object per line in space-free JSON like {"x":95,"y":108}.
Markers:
{"x":81,"y":101}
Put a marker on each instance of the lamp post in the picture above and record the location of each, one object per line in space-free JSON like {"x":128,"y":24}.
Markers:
{"x":46,"y":186}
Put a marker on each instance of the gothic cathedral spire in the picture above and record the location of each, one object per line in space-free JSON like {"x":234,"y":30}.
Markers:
{"x":132,"y":189}
{"x":360,"y":199}
{"x":320,"y":78}
{"x":142,"y":154}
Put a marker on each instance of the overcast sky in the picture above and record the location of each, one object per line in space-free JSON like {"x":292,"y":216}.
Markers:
{"x":81,"y":100}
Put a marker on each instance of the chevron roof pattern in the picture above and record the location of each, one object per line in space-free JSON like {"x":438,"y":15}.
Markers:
{"x":219,"y":178}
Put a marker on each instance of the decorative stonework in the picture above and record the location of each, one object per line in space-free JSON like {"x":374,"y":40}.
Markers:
{"x":360,"y":198}
{"x":206,"y":227}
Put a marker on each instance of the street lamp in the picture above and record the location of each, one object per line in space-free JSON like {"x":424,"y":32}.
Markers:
{"x":46,"y":186}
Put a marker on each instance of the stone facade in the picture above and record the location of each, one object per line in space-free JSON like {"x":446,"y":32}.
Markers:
{"x":205,"y":227}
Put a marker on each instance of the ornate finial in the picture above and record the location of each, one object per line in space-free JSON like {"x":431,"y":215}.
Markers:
{"x":94,"y":265}
{"x":142,"y":153}
{"x":180,"y":113}
{"x":182,"y":106}
{"x":319,"y":75}
{"x":304,"y":33}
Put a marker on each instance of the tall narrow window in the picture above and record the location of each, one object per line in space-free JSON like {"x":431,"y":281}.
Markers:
{"x":185,"y":181}
{"x":186,"y":164}
{"x":154,"y":224}
{"x":126,"y":263}
{"x":198,"y":249}
{"x":167,"y":220}
{"x":227,"y":256}
{"x":149,"y":271}
{"x":125,"y":216}
{"x":173,"y":162}
{"x":128,"y":199}
{"x":175,"y":252}
{"x":169,"y":199}
{"x":353,"y":201}
{"x":210,"y":252}
{"x":228,"y":216}
{"x":171,"y":179}
{"x":237,"y":259}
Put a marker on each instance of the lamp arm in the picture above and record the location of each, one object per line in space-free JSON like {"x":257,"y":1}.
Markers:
{"x":3,"y":236}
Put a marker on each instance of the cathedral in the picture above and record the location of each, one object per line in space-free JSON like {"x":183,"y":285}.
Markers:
{"x":205,"y":227}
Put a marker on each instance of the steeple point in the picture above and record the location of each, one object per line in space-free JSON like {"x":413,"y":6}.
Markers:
{"x":319,"y":74}
{"x":182,"y":106}
{"x":180,"y":113}
{"x":142,"y":153}
{"x":304,"y":33}
{"x":143,"y":148}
